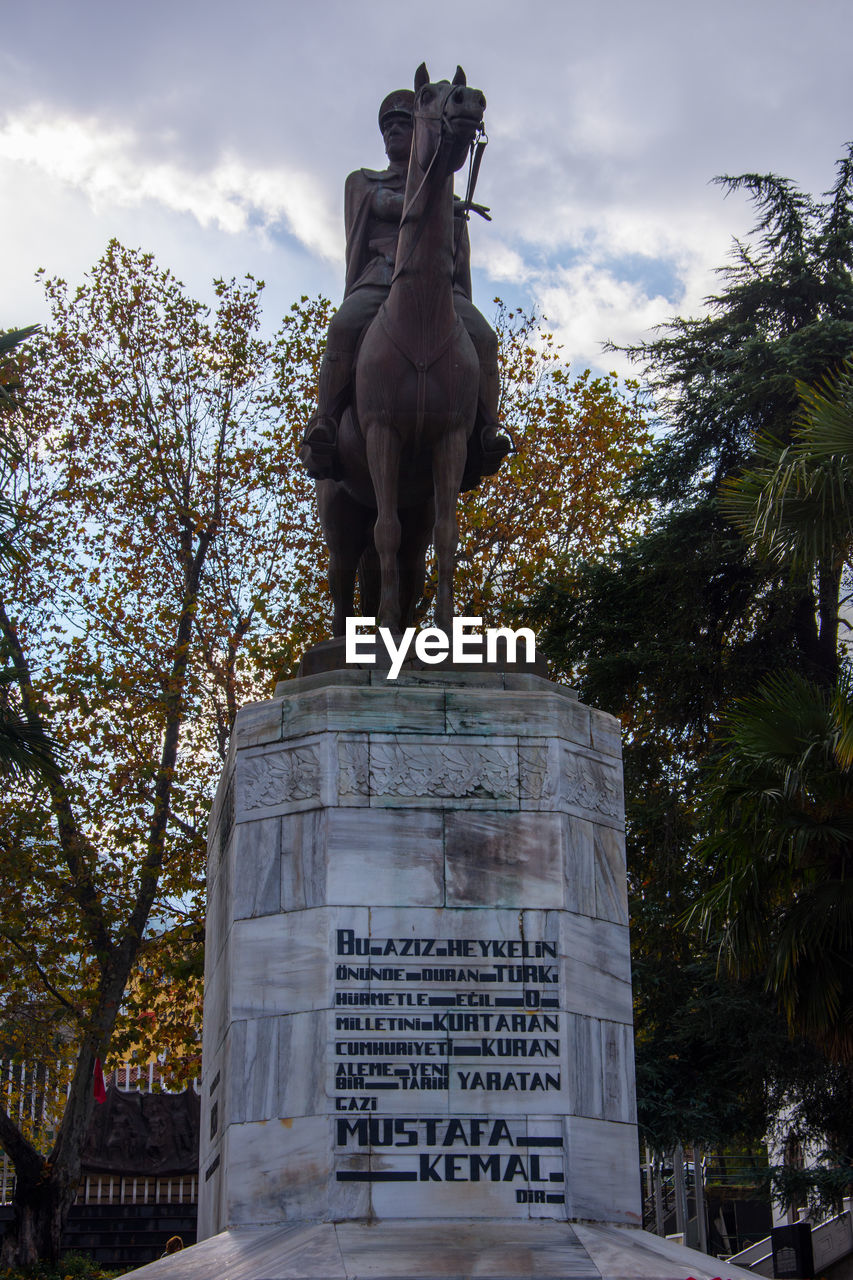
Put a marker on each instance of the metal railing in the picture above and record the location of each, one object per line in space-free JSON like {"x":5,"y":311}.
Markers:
{"x":676,"y":1190}
{"x":112,"y":1189}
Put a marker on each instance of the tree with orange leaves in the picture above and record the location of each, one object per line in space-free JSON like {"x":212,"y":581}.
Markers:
{"x":165,"y":555}
{"x":562,"y":496}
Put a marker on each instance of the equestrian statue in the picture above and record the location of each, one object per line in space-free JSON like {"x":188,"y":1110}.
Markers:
{"x":407,"y":413}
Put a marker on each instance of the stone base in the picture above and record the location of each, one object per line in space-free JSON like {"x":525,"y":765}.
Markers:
{"x":417,"y":990}
{"x":429,"y":1250}
{"x":330,"y":655}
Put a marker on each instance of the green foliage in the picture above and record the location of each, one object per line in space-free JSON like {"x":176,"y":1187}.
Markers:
{"x":796,"y":505}
{"x":784,"y":316}
{"x":702,"y":1047}
{"x":779,"y":795}
{"x":667,"y":629}
{"x":670,"y":629}
{"x":820,"y":1188}
{"x":781,"y":799}
{"x":73,"y":1266}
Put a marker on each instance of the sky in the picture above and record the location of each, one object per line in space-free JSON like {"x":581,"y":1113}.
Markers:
{"x":218,"y":136}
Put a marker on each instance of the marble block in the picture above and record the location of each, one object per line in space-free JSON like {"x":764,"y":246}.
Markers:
{"x":418,"y":994}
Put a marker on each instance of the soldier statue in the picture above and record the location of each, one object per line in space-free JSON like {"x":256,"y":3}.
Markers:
{"x":373,"y":206}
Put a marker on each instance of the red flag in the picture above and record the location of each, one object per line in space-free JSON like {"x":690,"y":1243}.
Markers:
{"x":98,"y":1084}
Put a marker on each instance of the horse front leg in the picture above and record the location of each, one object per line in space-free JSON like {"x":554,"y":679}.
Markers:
{"x":383,"y":459}
{"x":447,"y":467}
{"x":369,"y":579}
{"x":417,"y":522}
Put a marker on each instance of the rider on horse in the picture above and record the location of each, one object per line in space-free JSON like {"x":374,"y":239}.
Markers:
{"x":373,"y":206}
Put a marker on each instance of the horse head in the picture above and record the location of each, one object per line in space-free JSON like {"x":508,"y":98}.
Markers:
{"x":447,"y":117}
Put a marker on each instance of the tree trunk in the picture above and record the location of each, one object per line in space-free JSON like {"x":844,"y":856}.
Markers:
{"x":816,"y":635}
{"x":45,"y":1187}
{"x":829,"y":588}
{"x":41,"y":1207}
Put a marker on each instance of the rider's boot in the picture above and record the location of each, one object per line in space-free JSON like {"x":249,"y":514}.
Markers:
{"x":494,"y":445}
{"x":319,"y":446}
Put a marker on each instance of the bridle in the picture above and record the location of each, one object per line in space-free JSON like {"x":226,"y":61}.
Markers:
{"x":477,"y":147}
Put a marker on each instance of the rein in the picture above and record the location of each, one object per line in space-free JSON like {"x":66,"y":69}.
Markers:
{"x":478,"y":146}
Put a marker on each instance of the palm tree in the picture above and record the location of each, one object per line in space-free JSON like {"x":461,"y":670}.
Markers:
{"x":796,"y":504}
{"x":780,"y":791}
{"x":781,"y":800}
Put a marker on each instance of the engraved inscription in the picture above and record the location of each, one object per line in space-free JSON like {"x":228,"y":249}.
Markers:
{"x":457,"y":1149}
{"x":424,"y":1016}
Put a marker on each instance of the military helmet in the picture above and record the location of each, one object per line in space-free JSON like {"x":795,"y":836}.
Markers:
{"x":400,"y":102}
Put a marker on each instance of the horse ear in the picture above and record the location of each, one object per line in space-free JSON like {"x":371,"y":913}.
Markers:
{"x":421,"y":77}
{"x":459,"y":78}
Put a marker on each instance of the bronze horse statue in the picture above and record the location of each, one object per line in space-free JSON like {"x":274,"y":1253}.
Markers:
{"x":403,"y":443}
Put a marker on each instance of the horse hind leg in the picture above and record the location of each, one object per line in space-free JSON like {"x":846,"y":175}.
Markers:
{"x":346,"y":527}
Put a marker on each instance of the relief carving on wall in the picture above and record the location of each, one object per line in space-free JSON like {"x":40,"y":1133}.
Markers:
{"x":442,"y":771}
{"x":590,"y":785}
{"x":353,"y":773}
{"x":533,"y":780}
{"x":281,"y":777}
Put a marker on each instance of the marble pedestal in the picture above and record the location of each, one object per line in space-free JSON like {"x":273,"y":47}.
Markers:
{"x":417,"y":1027}
{"x":418,"y":998}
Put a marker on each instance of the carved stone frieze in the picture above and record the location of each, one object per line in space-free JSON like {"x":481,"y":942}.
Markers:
{"x":280,"y":777}
{"x":533,"y":780}
{"x":438,"y":770}
{"x":589,"y":785}
{"x":353,"y":771}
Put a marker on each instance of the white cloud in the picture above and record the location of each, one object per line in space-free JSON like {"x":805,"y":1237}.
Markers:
{"x":105,"y":165}
{"x":587,"y":303}
{"x":612,"y":270}
{"x":500,"y":261}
